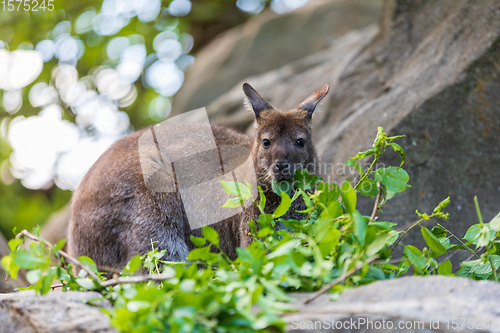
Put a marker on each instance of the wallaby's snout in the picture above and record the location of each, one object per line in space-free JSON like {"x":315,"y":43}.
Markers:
{"x":283,"y":142}
{"x":282,"y":169}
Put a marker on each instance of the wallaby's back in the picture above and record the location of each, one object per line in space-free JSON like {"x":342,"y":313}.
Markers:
{"x":114,"y":216}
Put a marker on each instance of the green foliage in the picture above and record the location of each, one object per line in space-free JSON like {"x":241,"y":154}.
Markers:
{"x":302,"y":179}
{"x":392,"y":179}
{"x":213,"y":292}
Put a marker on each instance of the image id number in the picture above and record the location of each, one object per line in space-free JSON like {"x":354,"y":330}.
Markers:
{"x":27,"y":5}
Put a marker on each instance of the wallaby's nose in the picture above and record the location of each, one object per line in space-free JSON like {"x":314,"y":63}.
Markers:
{"x":282,"y":168}
{"x":282,"y":165}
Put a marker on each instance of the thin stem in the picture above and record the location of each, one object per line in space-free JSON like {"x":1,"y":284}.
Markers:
{"x":156,"y":262}
{"x":63,"y":254}
{"x":366,"y":173}
{"x":492,"y":267}
{"x":339,"y":280}
{"x":312,"y":210}
{"x":404,"y":234}
{"x":461,"y":242}
{"x":135,"y":279}
{"x":375,"y":206}
{"x":229,"y":261}
{"x":478,"y":212}
{"x":104,"y":284}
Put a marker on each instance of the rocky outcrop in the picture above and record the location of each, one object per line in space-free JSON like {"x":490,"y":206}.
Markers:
{"x":431,"y":71}
{"x":268,"y":41}
{"x":24,"y":312}
{"x":411,"y":304}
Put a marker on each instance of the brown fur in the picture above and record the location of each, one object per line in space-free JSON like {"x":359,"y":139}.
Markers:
{"x":114,"y":216}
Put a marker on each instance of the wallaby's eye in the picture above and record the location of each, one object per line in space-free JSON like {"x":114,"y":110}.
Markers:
{"x":266,"y":143}
{"x":300,"y":143}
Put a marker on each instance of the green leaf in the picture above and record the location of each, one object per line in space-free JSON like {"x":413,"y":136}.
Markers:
{"x":416,"y":257}
{"x":484,"y":236}
{"x":276,"y":292}
{"x":379,"y":243}
{"x":211,"y":235}
{"x":200,"y":253}
{"x":472,"y":233}
{"x":363,"y":154}
{"x":368,"y":188}
{"x":34,"y":276}
{"x":26,"y":260}
{"x":133,"y":264}
{"x":329,"y":192}
{"x":483,"y":266}
{"x":383,"y":224}
{"x":135,"y":306}
{"x":262,"y":200}
{"x":438,"y":210}
{"x":423,"y":216}
{"x":86,"y":283}
{"x":348,"y":196}
{"x":244,"y":255}
{"x":438,"y":232}
{"x":293,"y":225}
{"x":284,"y":205}
{"x":353,"y":163}
{"x":394,"y":179}
{"x":307,"y":200}
{"x":445,"y":268}
{"x":397,"y":148}
{"x":333,"y":210}
{"x":233,"y":202}
{"x":284,"y":249}
{"x":198,"y":241}
{"x":10,"y":267}
{"x":241,"y":192}
{"x":14,"y":243}
{"x":495,"y":223}
{"x":359,"y":229}
{"x":432,"y":242}
{"x":279,"y":186}
{"x":236,"y":189}
{"x":305,"y":180}
{"x":59,"y":245}
{"x":88,"y":262}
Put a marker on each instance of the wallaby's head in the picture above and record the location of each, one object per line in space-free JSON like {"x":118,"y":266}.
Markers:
{"x":283,"y":140}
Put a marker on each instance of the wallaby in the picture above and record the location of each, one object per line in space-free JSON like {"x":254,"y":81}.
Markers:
{"x":114,"y":216}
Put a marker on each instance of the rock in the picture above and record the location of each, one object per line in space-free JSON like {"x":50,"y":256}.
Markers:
{"x":268,"y":41}
{"x":432,"y":72}
{"x":418,"y":304}
{"x":55,"y":312}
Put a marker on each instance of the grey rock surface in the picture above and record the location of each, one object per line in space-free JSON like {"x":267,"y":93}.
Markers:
{"x":25,"y":312}
{"x":410,"y":304}
{"x":431,"y":71}
{"x":268,"y":41}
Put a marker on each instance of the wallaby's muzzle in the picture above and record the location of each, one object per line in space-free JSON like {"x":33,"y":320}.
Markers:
{"x":282,"y":169}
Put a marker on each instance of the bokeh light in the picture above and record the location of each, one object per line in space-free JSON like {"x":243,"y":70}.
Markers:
{"x":77,"y":111}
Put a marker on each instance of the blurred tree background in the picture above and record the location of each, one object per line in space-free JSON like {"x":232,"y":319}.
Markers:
{"x":75,"y":76}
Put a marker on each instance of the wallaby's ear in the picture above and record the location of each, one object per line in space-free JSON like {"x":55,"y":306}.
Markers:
{"x":310,"y":103}
{"x":259,"y":104}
